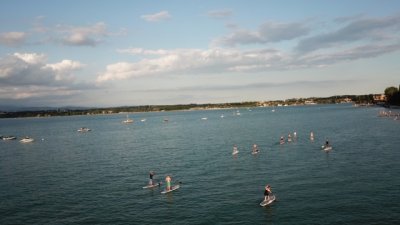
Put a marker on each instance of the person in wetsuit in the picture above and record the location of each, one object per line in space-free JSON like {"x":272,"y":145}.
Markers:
{"x":326,"y":143}
{"x":255,"y":148}
{"x":282,"y":141}
{"x":151,"y":174}
{"x":267,"y":192}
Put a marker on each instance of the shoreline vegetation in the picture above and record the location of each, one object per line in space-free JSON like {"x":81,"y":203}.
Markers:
{"x":357,"y":100}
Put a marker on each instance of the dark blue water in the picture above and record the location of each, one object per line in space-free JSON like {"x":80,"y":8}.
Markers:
{"x":67,"y":177}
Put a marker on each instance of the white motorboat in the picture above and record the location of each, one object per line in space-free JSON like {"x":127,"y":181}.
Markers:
{"x":7,"y":138}
{"x":26,"y":140}
{"x":84,"y":129}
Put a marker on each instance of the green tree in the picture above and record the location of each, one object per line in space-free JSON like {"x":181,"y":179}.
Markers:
{"x":392,"y":95}
{"x":390,"y":91}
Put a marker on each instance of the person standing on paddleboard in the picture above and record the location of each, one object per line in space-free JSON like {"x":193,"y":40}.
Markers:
{"x":255,"y":148}
{"x":267,"y":192}
{"x":151,"y":178}
{"x":326,"y":143}
{"x":168,"y":181}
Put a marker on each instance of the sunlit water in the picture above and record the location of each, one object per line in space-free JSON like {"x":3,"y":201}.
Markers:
{"x":67,"y":177}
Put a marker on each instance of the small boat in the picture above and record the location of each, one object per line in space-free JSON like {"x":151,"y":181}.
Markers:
{"x":127,"y":120}
{"x":84,"y":129}
{"x":222,"y":116}
{"x":26,"y":140}
{"x":7,"y":138}
{"x":143,"y":120}
{"x":204,"y":118}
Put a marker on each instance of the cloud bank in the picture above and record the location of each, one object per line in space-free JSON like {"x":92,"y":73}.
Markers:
{"x":266,"y":33}
{"x":352,"y":39}
{"x":386,"y":29}
{"x":29,"y":75}
{"x":13,"y":39}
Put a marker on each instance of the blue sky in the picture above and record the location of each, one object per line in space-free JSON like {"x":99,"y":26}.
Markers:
{"x":114,"y":53}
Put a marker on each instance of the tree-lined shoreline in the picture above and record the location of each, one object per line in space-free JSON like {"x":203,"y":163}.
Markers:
{"x":356,"y":99}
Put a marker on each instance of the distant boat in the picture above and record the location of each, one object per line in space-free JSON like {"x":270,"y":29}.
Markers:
{"x":222,"y":116}
{"x":143,"y":120}
{"x":7,"y":138}
{"x":128,"y":120}
{"x":26,"y":140}
{"x":204,"y":118}
{"x":166,"y":119}
{"x":83,"y":129}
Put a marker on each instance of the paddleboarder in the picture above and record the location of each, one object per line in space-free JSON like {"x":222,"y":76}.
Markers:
{"x":267,"y":192}
{"x":151,"y":174}
{"x":168,"y":181}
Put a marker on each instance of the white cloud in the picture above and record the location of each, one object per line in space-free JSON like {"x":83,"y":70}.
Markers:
{"x":382,"y":30}
{"x":192,"y":61}
{"x":141,"y":51}
{"x":63,"y":70}
{"x":220,"y":14}
{"x":160,"y":16}
{"x":218,"y":60}
{"x":266,"y":33}
{"x":28,"y":75}
{"x":83,"y":35}
{"x":12,"y":39}
{"x":31,"y":58}
{"x":65,"y":65}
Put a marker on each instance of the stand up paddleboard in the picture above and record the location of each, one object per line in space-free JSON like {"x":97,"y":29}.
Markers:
{"x":269,"y":201}
{"x":235,"y":152}
{"x":328,"y":148}
{"x":152,"y":186}
{"x":253,"y":153}
{"x":173,"y":188}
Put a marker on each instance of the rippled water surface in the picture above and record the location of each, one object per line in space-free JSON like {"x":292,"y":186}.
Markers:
{"x":67,"y":177}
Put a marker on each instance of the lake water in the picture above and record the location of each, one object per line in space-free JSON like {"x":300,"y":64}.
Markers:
{"x":67,"y":177}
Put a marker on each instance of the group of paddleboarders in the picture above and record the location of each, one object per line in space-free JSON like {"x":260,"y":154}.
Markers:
{"x":267,"y":191}
{"x":289,"y":139}
{"x":255,"y":149}
{"x":167,"y":181}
